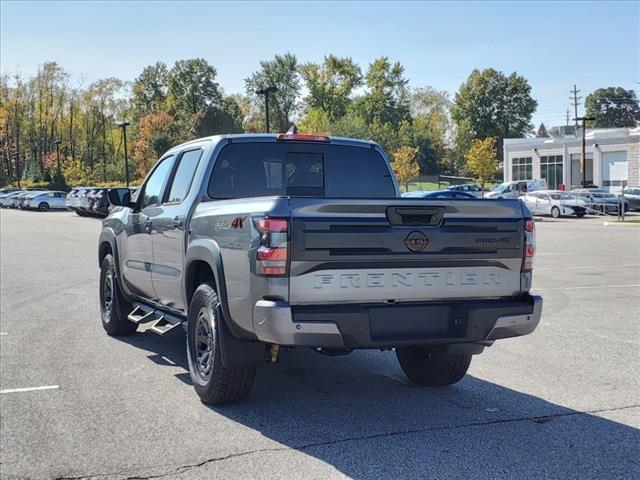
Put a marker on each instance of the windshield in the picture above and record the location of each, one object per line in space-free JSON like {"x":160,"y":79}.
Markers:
{"x":300,"y":169}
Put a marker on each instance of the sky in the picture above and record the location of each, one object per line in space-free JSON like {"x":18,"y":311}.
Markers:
{"x":553,"y":44}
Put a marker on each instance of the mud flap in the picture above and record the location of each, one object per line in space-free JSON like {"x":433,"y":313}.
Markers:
{"x":238,"y":353}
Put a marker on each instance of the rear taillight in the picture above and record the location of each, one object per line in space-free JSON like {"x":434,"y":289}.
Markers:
{"x":529,"y":244}
{"x":272,"y":256}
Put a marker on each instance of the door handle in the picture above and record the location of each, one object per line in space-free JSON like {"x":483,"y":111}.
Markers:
{"x":177,"y":222}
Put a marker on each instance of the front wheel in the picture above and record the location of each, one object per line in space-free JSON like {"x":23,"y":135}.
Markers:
{"x":214,"y":383}
{"x":114,"y":308}
{"x":432,"y":366}
{"x":43,"y":207}
{"x":580,"y":215}
{"x":555,"y":212}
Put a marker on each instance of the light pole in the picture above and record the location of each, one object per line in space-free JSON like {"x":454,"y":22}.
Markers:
{"x":123,"y":126}
{"x":583,"y":159}
{"x":266,"y":91}
{"x":58,"y":142}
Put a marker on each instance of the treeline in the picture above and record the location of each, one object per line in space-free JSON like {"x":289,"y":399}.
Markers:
{"x":168,"y":105}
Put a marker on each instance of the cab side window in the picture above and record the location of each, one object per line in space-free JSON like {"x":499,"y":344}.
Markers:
{"x":184,"y":175}
{"x":155,"y":184}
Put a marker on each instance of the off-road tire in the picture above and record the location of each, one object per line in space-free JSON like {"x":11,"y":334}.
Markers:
{"x":555,"y":212}
{"x":432,"y":366}
{"x":114,"y":317}
{"x":214,"y":383}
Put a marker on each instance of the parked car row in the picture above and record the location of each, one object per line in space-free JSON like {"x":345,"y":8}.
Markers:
{"x":85,"y":201}
{"x":89,"y":201}
{"x":31,"y":199}
{"x":555,"y":203}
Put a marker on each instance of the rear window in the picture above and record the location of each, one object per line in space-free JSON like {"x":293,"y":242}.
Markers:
{"x":299,"y":169}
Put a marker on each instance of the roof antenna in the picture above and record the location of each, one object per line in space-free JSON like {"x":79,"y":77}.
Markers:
{"x":292,"y":130}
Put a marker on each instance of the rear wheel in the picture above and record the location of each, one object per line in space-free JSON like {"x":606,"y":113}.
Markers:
{"x":214,"y":383}
{"x":555,"y":212}
{"x":114,"y":308}
{"x":432,"y":366}
{"x":43,"y":207}
{"x":580,"y":215}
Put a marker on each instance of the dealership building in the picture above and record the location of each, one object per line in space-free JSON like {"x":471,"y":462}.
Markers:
{"x":612,"y":158}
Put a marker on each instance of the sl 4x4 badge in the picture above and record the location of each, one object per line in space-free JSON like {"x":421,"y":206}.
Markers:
{"x":416,"y":241}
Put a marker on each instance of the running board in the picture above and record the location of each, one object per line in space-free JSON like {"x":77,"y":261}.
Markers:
{"x":139,"y":316}
{"x":163,"y":322}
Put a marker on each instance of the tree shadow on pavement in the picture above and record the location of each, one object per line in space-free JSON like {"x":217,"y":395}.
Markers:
{"x":359,"y":415}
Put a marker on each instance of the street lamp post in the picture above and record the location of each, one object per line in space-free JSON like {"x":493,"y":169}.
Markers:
{"x":58,"y":142}
{"x":266,"y":91}
{"x":123,"y":126}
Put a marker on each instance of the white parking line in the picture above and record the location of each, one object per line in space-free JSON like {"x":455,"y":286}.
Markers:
{"x":30,"y":389}
{"x":582,"y":267}
{"x":581,"y":287}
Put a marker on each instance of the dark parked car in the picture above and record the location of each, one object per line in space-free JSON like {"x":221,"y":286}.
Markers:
{"x":632,"y":195}
{"x":439,"y":194}
{"x":601,"y":201}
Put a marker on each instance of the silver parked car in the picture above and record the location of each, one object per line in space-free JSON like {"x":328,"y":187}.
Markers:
{"x":46,"y":200}
{"x":6,"y":199}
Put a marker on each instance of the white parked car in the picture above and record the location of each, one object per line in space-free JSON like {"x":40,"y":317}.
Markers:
{"x":517,"y":189}
{"x":555,"y":203}
{"x":43,"y":201}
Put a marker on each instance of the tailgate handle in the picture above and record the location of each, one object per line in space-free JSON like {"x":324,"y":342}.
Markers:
{"x":415,"y":215}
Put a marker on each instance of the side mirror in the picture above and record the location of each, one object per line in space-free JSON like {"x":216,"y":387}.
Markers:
{"x":120,"y":197}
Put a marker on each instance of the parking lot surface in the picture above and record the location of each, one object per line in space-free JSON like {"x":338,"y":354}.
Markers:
{"x":563,"y":402}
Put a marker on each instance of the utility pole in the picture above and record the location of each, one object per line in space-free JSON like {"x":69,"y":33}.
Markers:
{"x":266,"y":91}
{"x":575,"y":101}
{"x":568,"y":117}
{"x":123,"y":126}
{"x":583,"y":160}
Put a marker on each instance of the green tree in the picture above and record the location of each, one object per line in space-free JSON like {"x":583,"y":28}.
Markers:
{"x":491,"y":104}
{"x":150,"y":89}
{"x":482,"y":161}
{"x":405,"y":165}
{"x":315,"y":121}
{"x":331,"y":84}
{"x":386,"y":99}
{"x":282,"y":73}
{"x":613,"y":107}
{"x":192,"y":87}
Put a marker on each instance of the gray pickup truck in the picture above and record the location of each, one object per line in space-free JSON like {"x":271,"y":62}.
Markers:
{"x":255,"y":244}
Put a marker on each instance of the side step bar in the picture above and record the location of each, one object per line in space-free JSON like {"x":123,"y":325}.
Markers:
{"x":164,"y":326}
{"x":163,"y":322}
{"x":139,"y":316}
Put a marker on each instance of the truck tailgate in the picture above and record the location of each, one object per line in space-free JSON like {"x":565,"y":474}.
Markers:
{"x":382,"y":250}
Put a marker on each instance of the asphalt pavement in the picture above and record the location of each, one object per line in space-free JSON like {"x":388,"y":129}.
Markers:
{"x":563,"y":402}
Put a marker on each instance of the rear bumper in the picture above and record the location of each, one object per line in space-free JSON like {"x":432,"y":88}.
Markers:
{"x":384,"y":326}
